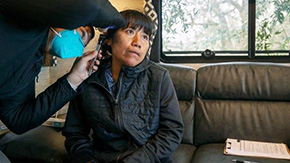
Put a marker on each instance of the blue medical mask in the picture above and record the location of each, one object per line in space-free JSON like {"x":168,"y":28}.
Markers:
{"x":67,"y":44}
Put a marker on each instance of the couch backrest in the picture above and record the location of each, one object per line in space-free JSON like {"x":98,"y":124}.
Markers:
{"x":242,"y":100}
{"x":184,"y":80}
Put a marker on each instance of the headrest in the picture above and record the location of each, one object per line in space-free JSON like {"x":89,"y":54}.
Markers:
{"x":183,"y":79}
{"x":244,"y":81}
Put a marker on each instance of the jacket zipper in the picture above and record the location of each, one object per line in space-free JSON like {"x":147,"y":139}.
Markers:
{"x":116,"y":103}
{"x":118,"y":112}
{"x":117,"y":108}
{"x":116,"y":100}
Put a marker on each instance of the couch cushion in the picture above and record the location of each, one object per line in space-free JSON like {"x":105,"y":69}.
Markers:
{"x":42,"y":144}
{"x":184,"y":153}
{"x":213,"y":153}
{"x":248,"y":101}
{"x":184,"y":80}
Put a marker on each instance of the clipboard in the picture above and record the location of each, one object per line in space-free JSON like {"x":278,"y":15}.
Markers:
{"x":256,"y":149}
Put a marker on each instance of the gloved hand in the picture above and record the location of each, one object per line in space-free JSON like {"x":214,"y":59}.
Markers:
{"x":79,"y":71}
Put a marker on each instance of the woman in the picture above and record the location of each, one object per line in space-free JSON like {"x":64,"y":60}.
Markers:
{"x":129,"y":103}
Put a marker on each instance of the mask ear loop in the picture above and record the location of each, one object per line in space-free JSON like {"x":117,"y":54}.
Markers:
{"x":54,"y":31}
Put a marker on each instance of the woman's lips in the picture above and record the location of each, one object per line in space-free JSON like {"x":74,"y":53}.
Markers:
{"x":134,"y":52}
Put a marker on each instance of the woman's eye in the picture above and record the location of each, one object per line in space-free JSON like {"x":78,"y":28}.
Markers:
{"x":145,"y":37}
{"x":130,"y":31}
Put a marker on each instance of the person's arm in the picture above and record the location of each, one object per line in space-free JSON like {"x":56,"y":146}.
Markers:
{"x":62,"y":13}
{"x":170,"y":131}
{"x":76,"y":131}
{"x":23,"y":111}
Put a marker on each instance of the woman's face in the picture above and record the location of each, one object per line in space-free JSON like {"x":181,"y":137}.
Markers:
{"x":129,"y":46}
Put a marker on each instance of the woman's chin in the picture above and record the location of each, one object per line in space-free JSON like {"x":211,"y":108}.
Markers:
{"x":132,"y":63}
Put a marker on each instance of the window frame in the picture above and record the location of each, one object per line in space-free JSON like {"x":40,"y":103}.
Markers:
{"x":251,"y":52}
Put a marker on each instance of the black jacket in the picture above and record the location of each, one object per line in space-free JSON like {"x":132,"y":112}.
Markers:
{"x":24,"y":28}
{"x":142,"y":124}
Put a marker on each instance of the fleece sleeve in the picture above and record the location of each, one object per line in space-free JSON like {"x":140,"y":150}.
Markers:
{"x":170,"y":132}
{"x":23,"y":111}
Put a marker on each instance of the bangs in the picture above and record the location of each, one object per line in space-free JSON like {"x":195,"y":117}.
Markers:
{"x":137,"y":20}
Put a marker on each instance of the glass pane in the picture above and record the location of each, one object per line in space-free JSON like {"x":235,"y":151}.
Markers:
{"x":196,"y":25}
{"x":273,"y":25}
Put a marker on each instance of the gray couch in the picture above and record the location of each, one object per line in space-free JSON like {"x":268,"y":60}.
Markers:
{"x":233,"y":100}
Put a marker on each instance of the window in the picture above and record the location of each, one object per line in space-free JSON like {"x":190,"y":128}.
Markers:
{"x":232,"y":30}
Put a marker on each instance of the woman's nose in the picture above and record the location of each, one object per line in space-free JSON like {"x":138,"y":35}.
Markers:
{"x":136,"y":41}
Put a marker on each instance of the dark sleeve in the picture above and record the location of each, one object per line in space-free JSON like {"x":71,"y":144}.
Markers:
{"x":76,"y":131}
{"x":68,"y":14}
{"x":170,"y":131}
{"x":23,"y":111}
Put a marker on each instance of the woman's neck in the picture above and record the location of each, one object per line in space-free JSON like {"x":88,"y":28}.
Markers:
{"x":116,"y":68}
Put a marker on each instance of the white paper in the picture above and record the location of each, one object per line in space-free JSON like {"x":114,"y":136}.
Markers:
{"x":257,"y":149}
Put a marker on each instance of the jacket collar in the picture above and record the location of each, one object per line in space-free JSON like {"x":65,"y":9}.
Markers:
{"x":130,"y":72}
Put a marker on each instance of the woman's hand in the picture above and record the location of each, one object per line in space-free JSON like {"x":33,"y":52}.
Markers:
{"x":79,"y":71}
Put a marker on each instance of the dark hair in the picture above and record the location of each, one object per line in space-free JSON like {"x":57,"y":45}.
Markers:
{"x":135,"y":20}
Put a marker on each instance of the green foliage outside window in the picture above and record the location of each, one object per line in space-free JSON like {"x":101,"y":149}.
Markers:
{"x":273,"y":25}
{"x":197,"y":25}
